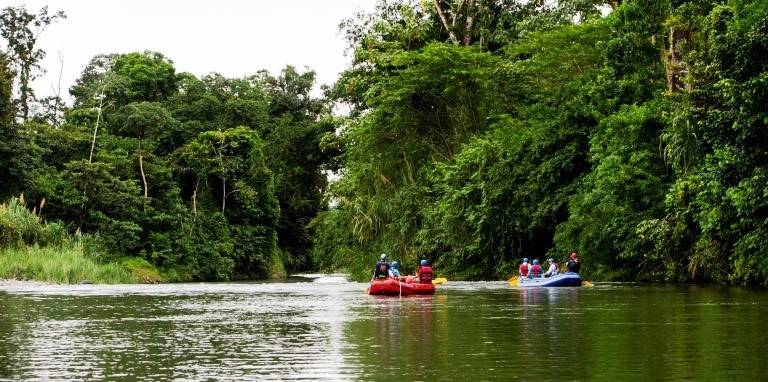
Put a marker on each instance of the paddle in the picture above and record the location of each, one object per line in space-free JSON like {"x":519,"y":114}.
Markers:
{"x":586,"y":284}
{"x":439,"y":280}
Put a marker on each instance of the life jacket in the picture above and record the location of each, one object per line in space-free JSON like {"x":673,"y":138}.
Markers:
{"x":524,"y":268}
{"x":536,"y":270}
{"x":574,"y":266}
{"x":382,"y":269}
{"x":425,"y":274}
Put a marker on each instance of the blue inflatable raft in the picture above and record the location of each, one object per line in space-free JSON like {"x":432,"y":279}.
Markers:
{"x":567,"y":279}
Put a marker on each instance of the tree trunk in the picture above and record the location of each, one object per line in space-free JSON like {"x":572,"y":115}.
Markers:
{"x":24,"y":92}
{"x":194,"y":199}
{"x":96,"y":129}
{"x":444,"y":20}
{"x":470,"y":23}
{"x":676,"y":67}
{"x":57,"y":93}
{"x":223,"y":194}
{"x":141,"y":169}
{"x":456,"y":13}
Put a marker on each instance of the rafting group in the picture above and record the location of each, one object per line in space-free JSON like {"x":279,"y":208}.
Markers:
{"x":530,"y":274}
{"x":387,"y":279}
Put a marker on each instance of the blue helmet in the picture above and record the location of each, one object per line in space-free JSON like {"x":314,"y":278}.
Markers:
{"x":383,"y":256}
{"x":525,"y":259}
{"x":423,"y":262}
{"x":395,"y":265}
{"x":536,"y":261}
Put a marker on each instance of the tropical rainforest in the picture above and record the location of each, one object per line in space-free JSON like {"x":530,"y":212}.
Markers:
{"x":471,"y":133}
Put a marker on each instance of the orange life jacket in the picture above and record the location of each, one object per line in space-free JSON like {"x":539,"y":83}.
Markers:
{"x":425,"y":274}
{"x":536,"y":270}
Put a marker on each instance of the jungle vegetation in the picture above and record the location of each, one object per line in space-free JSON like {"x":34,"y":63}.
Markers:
{"x":478,"y":132}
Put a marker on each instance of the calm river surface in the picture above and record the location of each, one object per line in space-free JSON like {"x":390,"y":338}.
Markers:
{"x":327,"y":329}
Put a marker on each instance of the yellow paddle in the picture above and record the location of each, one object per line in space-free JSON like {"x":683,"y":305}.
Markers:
{"x":439,"y":280}
{"x":586,"y":284}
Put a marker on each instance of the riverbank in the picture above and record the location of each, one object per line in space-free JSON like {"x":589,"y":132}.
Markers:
{"x":22,"y":284}
{"x":32,"y":249}
{"x":65,"y":264}
{"x":70,"y":263}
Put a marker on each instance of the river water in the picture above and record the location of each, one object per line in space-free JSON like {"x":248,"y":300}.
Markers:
{"x":328,"y":329}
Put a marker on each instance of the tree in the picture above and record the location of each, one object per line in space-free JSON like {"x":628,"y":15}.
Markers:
{"x":21,"y":30}
{"x":293,"y":154}
{"x":125,"y":78}
{"x":7,"y":129}
{"x":95,"y":200}
{"x":147,"y":76}
{"x":7,"y":110}
{"x":231,"y":164}
{"x":92,"y":81}
{"x":141,"y":120}
{"x":456,"y":10}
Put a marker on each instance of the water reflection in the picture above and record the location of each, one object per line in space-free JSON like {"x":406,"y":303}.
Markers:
{"x":330,"y":330}
{"x":260,"y":335}
{"x":552,"y":296}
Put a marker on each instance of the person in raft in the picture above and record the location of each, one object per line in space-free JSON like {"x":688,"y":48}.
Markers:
{"x":424,"y":273}
{"x":535,"y":269}
{"x":573,"y":263}
{"x":394,"y":269}
{"x":524,"y":268}
{"x":553,"y":268}
{"x":382,"y":268}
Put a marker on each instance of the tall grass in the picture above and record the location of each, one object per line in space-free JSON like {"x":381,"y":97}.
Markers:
{"x":19,"y":226}
{"x":66,"y":264}
{"x":31,"y":249}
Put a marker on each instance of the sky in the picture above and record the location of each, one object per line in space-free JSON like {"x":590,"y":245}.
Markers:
{"x":230,"y":37}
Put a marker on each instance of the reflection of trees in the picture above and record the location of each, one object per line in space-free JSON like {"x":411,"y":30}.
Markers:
{"x":403,"y":334}
{"x":437,"y":337}
{"x":11,"y":327}
{"x":626,"y":333}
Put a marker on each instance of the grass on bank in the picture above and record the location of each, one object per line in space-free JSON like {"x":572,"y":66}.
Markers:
{"x":66,"y":264}
{"x":32,"y":249}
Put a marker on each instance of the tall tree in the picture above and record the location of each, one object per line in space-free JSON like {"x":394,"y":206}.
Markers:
{"x":293,"y":154}
{"x":7,"y":128}
{"x":21,"y":31}
{"x":232,"y":169}
{"x":143,"y":121}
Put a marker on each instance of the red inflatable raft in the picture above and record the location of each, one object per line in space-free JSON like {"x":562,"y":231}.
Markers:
{"x":393,"y":287}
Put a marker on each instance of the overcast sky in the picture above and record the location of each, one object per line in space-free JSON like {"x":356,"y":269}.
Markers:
{"x":227,"y":36}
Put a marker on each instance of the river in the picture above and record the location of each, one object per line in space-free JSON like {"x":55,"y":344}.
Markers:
{"x":328,"y":329}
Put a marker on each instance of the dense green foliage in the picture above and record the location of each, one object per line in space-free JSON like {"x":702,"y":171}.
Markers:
{"x":637,"y":138}
{"x":207,"y":178}
{"x":479,"y":132}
